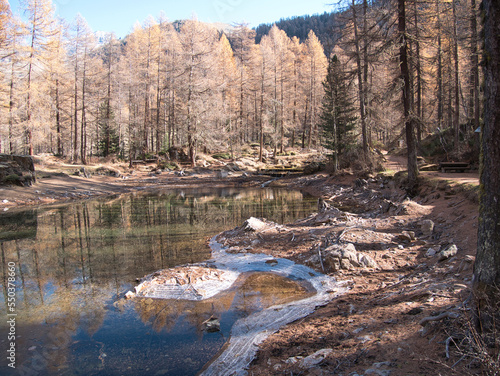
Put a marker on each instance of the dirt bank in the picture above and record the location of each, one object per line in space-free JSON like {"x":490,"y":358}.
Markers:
{"x":376,"y":327}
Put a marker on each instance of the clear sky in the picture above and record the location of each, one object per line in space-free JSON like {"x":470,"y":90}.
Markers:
{"x":120,"y":16}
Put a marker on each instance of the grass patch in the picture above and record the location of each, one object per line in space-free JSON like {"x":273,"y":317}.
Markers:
{"x":167,"y":165}
{"x":13,"y":179}
{"x":221,"y":156}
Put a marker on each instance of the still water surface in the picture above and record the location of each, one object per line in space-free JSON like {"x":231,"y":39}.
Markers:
{"x":74,"y":262}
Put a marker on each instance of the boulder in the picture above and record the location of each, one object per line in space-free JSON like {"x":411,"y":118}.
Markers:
{"x":254,"y":224}
{"x":427,"y":227}
{"x":346,"y":257}
{"x":367,"y":261}
{"x":17,"y":169}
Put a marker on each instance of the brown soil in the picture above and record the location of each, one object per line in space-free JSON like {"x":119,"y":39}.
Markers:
{"x":377,"y":321}
{"x":374,"y":328}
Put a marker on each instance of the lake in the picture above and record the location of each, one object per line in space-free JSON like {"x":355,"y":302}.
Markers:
{"x":73,"y":263}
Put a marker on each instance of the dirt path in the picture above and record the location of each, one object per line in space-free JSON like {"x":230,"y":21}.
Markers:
{"x":398,"y":163}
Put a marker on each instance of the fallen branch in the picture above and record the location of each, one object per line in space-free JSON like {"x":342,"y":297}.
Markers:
{"x":448,"y":314}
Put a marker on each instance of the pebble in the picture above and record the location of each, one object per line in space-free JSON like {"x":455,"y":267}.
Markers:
{"x":315,"y":359}
{"x":448,"y":252}
{"x":379,"y":369}
{"x":431,"y":252}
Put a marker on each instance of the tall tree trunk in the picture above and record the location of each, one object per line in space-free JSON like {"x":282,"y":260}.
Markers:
{"x":365,"y":74}
{"x":440,"y":93}
{"x":58,"y":120}
{"x":190,"y":120}
{"x":486,"y":280}
{"x":261,"y":113}
{"x":28,"y":130}
{"x":145,"y":145}
{"x":75,"y":109}
{"x":474,"y":111}
{"x":282,"y":112}
{"x":11,"y":109}
{"x":405,"y":75}
{"x":158,"y":104}
{"x":418,"y":72}
{"x":456,"y":105}
{"x":311,"y":101}
{"x":108,"y":110}
{"x":83,"y":129}
{"x":361,"y":91}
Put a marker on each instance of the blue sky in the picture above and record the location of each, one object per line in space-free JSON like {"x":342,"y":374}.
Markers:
{"x":120,"y":16}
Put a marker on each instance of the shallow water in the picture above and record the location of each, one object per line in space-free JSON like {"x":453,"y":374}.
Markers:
{"x":73,"y":262}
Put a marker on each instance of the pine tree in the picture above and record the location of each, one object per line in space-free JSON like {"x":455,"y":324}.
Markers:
{"x":109,"y":141}
{"x":337,"y":119}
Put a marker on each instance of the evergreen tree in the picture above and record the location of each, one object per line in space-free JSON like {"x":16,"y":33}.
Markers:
{"x":337,"y":112}
{"x":109,"y":141}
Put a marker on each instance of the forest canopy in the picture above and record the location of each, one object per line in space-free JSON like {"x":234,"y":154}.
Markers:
{"x":189,"y":84}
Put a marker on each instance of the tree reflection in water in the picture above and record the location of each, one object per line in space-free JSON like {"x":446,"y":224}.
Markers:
{"x":73,"y":262}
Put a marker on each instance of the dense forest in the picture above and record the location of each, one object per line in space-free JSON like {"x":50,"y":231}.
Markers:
{"x":326,"y":26}
{"x":187,"y":84}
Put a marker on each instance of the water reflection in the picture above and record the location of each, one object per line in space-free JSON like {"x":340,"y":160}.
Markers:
{"x":72,"y":262}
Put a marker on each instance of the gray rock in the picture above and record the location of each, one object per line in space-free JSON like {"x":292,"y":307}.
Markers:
{"x":367,"y":261}
{"x":222,"y":174}
{"x":254,"y":224}
{"x":378,"y":372}
{"x":346,"y":257}
{"x":129,"y":295}
{"x":315,"y":359}
{"x":379,"y":369}
{"x":211,"y":325}
{"x":352,"y":256}
{"x":448,"y":252}
{"x":427,"y":227}
{"x":345,"y":264}
{"x":431,"y":252}
{"x":406,"y":236}
{"x":332,"y":264}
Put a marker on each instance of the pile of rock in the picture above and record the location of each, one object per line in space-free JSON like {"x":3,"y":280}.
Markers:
{"x":341,"y":257}
{"x":338,"y":257}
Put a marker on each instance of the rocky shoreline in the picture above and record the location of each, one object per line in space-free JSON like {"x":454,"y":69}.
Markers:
{"x":407,"y":263}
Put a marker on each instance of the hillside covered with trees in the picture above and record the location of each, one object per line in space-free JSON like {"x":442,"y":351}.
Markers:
{"x":188,"y":84}
{"x":326,"y":26}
